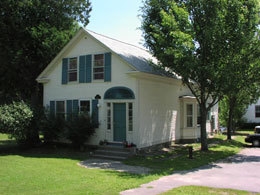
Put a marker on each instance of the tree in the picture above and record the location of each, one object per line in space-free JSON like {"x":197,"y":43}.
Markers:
{"x":190,"y":38}
{"x":241,"y":56}
{"x":237,"y":108}
{"x":32,"y":33}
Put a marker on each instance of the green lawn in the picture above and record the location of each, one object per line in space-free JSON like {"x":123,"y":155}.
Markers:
{"x":54,"y":170}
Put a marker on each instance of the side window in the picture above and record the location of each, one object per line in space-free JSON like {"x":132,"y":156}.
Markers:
{"x":60,"y":109}
{"x":84,"y":106}
{"x":98,"y":67}
{"x":130,"y":116}
{"x":198,"y":115}
{"x":189,"y":115}
{"x":109,"y":116}
{"x":72,"y":69}
{"x":257,"y":111}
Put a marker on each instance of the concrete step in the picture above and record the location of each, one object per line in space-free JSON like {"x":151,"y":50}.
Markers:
{"x":114,"y":152}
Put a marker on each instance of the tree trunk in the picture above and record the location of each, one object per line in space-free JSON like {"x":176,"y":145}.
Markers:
{"x":203,"y":130}
{"x":231,"y":103}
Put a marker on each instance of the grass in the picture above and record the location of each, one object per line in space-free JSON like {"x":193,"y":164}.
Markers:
{"x":189,"y":190}
{"x":177,"y":159}
{"x":54,"y":169}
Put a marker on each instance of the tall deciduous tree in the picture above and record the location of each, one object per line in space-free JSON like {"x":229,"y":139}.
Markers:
{"x":241,"y":56}
{"x":191,"y":39}
{"x":32,"y":33}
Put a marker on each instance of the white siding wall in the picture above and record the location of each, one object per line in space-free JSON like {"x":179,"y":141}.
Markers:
{"x":159,"y":109}
{"x":54,"y":90}
{"x":156,"y":109}
{"x":250,"y":113}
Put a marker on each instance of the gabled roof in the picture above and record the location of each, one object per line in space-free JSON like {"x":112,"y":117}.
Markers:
{"x":138,"y":58}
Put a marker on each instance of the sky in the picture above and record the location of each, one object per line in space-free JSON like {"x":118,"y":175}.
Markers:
{"x":117,"y":19}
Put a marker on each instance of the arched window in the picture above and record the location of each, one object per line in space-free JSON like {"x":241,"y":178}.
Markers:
{"x":119,"y":93}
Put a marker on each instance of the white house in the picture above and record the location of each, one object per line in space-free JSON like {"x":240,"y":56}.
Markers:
{"x":252,"y":114}
{"x":131,"y":99}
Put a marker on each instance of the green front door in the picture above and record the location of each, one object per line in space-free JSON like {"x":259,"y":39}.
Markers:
{"x":119,"y":121}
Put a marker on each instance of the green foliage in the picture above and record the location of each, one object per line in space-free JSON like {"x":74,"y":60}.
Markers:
{"x":238,"y":111}
{"x":79,"y":130}
{"x":213,"y":45}
{"x":32,"y":33}
{"x":55,"y":171}
{"x":16,"y":120}
{"x":52,"y":128}
{"x":177,"y":158}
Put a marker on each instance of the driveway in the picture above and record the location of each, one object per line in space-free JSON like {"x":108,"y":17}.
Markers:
{"x":241,"y":171}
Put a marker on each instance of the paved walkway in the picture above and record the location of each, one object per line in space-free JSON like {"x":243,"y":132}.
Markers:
{"x":113,"y":165}
{"x":241,"y":171}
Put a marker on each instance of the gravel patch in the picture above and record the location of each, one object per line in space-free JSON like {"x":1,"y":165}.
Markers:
{"x":113,"y":165}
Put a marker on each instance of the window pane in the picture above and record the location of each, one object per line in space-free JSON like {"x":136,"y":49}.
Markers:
{"x":99,"y":60}
{"x":72,"y":76}
{"x":198,"y":115}
{"x":60,"y":106}
{"x":73,"y":63}
{"x":60,"y":109}
{"x":85,"y":106}
{"x":108,"y":115}
{"x":72,"y":70}
{"x":257,"y":111}
{"x":189,"y":115}
{"x":98,"y":68}
{"x":189,"y":122}
{"x":99,"y":76}
{"x":130,"y":116}
{"x":189,"y":109}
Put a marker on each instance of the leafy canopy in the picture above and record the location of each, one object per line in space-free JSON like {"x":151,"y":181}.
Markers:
{"x":200,"y":41}
{"x":32,"y":33}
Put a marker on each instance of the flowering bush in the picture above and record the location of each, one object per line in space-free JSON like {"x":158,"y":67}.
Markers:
{"x":15,"y":120}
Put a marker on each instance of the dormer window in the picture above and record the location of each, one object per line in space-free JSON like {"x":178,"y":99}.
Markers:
{"x":72,"y":70}
{"x":98,"y":67}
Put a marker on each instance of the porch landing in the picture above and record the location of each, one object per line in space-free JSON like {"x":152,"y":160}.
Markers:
{"x":114,"y":151}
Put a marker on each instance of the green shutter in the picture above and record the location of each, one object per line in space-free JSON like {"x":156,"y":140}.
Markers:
{"x":75,"y":107}
{"x":82,"y":69}
{"x":64,"y":79}
{"x":52,"y":108}
{"x":95,"y":113}
{"x":88,"y":72}
{"x":107,"y":67}
{"x":69,"y":109}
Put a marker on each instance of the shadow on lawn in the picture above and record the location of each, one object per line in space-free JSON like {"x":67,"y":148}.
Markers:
{"x":162,"y":163}
{"x":57,"y":150}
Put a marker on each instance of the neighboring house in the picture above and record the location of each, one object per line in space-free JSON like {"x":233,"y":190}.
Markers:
{"x":252,"y":114}
{"x":131,"y":99}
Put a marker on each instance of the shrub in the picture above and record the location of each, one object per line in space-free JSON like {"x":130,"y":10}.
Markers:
{"x":79,"y":129}
{"x":52,"y":128}
{"x":16,"y":120}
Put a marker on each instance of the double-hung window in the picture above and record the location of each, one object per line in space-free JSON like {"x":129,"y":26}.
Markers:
{"x":198,"y":115}
{"x":189,"y":115}
{"x":257,"y":111}
{"x":98,"y":67}
{"x":60,"y":109}
{"x":72,"y":69}
{"x":84,"y":106}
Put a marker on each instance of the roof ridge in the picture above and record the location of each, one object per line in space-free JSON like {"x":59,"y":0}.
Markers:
{"x":117,"y":40}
